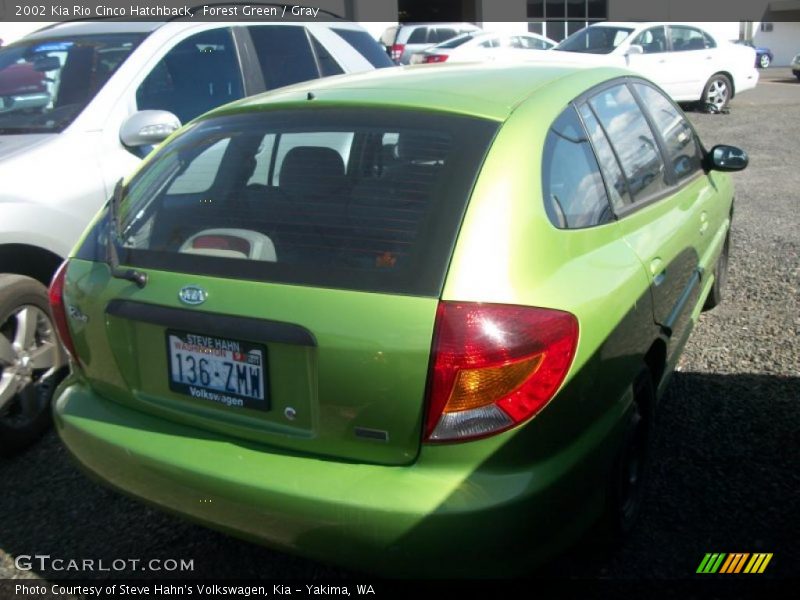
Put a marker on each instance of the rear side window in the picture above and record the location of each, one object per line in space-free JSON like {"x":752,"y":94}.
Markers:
{"x":355,"y":199}
{"x":689,"y":38}
{"x":616,"y":184}
{"x":573,"y":188}
{"x":419,"y":36}
{"x":365,"y":46}
{"x":442,"y":34}
{"x":529,"y":43}
{"x":683,"y":152}
{"x":632,"y":139}
{"x":327,"y":64}
{"x":653,"y":40}
{"x":284,"y":53}
{"x":200,"y":73}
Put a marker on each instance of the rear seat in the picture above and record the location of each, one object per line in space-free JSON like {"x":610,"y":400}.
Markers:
{"x":308,"y":208}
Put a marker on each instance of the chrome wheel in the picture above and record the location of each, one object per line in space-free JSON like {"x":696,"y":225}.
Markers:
{"x":718,"y":91}
{"x":29,"y":355}
{"x":764,"y":61}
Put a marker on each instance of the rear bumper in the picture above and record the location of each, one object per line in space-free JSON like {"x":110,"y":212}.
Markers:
{"x":395,"y":520}
{"x":746,"y":80}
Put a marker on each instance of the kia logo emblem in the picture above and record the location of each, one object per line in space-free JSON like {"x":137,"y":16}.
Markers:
{"x":192,"y":294}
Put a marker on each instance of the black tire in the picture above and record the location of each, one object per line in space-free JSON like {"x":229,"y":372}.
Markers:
{"x":717,"y":292}
{"x":798,"y":76}
{"x":25,"y":412}
{"x":629,"y":473}
{"x":764,"y":61}
{"x":718,"y":91}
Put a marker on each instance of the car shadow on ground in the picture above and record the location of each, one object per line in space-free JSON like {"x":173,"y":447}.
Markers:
{"x":726,"y":470}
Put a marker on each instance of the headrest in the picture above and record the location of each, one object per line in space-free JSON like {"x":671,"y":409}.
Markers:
{"x":312,"y":170}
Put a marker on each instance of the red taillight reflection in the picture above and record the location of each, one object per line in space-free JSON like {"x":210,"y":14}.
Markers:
{"x":494,"y":366}
{"x":435,"y":58}
{"x":59,"y":309}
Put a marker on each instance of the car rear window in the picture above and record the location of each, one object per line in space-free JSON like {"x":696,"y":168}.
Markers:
{"x":458,"y":40}
{"x":365,"y":46}
{"x":366,"y":200}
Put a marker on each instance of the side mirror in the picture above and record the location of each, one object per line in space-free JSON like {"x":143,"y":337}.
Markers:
{"x":634,"y":49}
{"x":726,"y":158}
{"x":147,"y":128}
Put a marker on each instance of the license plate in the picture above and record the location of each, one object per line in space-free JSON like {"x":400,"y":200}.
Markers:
{"x":225,"y":371}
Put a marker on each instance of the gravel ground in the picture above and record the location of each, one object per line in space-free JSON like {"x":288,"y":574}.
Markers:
{"x":727,"y":454}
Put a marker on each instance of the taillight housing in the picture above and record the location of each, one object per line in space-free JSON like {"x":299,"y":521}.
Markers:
{"x":59,"y":309}
{"x":434,"y":58}
{"x":397,"y":52}
{"x":494,"y":366}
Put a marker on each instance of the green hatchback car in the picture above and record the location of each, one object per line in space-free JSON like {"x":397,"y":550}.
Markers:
{"x":384,"y":319}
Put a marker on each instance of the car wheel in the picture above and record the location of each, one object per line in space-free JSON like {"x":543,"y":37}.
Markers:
{"x":718,"y":91}
{"x":763,"y":61}
{"x":31,"y":362}
{"x":720,"y":277}
{"x":630,"y":468}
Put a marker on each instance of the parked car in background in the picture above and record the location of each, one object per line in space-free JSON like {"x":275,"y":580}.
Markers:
{"x":686,"y":61}
{"x":796,"y":66}
{"x":80,"y":104}
{"x":477,"y":46}
{"x":402,"y":318}
{"x":764,"y":55}
{"x":405,"y":40}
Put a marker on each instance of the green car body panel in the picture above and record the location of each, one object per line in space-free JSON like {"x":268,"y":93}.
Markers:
{"x":394,"y":505}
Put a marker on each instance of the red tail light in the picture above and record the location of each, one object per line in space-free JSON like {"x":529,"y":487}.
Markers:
{"x":494,"y":366}
{"x":435,"y":58}
{"x":397,"y":51}
{"x":59,"y":310}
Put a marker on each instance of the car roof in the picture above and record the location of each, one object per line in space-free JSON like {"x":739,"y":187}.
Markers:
{"x":94,"y":27}
{"x":456,"y":88}
{"x":644,"y":24}
{"x":438,"y":24}
{"x":79,"y":28}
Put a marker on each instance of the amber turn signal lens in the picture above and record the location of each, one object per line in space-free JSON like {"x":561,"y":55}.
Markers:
{"x":475,"y":388}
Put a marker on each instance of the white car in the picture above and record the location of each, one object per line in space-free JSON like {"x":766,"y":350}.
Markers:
{"x":80,"y":104}
{"x":687,"y":62}
{"x":477,"y":46}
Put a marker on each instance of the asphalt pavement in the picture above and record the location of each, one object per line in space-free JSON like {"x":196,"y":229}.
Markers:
{"x":726,"y":464}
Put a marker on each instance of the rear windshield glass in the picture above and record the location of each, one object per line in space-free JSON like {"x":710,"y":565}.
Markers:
{"x":355,"y":199}
{"x":458,"y":40}
{"x":366,"y":46}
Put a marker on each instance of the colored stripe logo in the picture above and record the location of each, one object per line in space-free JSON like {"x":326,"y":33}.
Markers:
{"x":737,"y":562}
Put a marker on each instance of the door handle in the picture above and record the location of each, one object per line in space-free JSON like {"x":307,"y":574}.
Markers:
{"x":658,"y":271}
{"x":703,"y":222}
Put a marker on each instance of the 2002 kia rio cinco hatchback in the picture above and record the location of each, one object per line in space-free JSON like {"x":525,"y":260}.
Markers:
{"x":381,"y":320}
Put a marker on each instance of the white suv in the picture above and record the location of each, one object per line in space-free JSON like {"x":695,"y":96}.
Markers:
{"x":80,"y":104}
{"x":403,"y":41}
